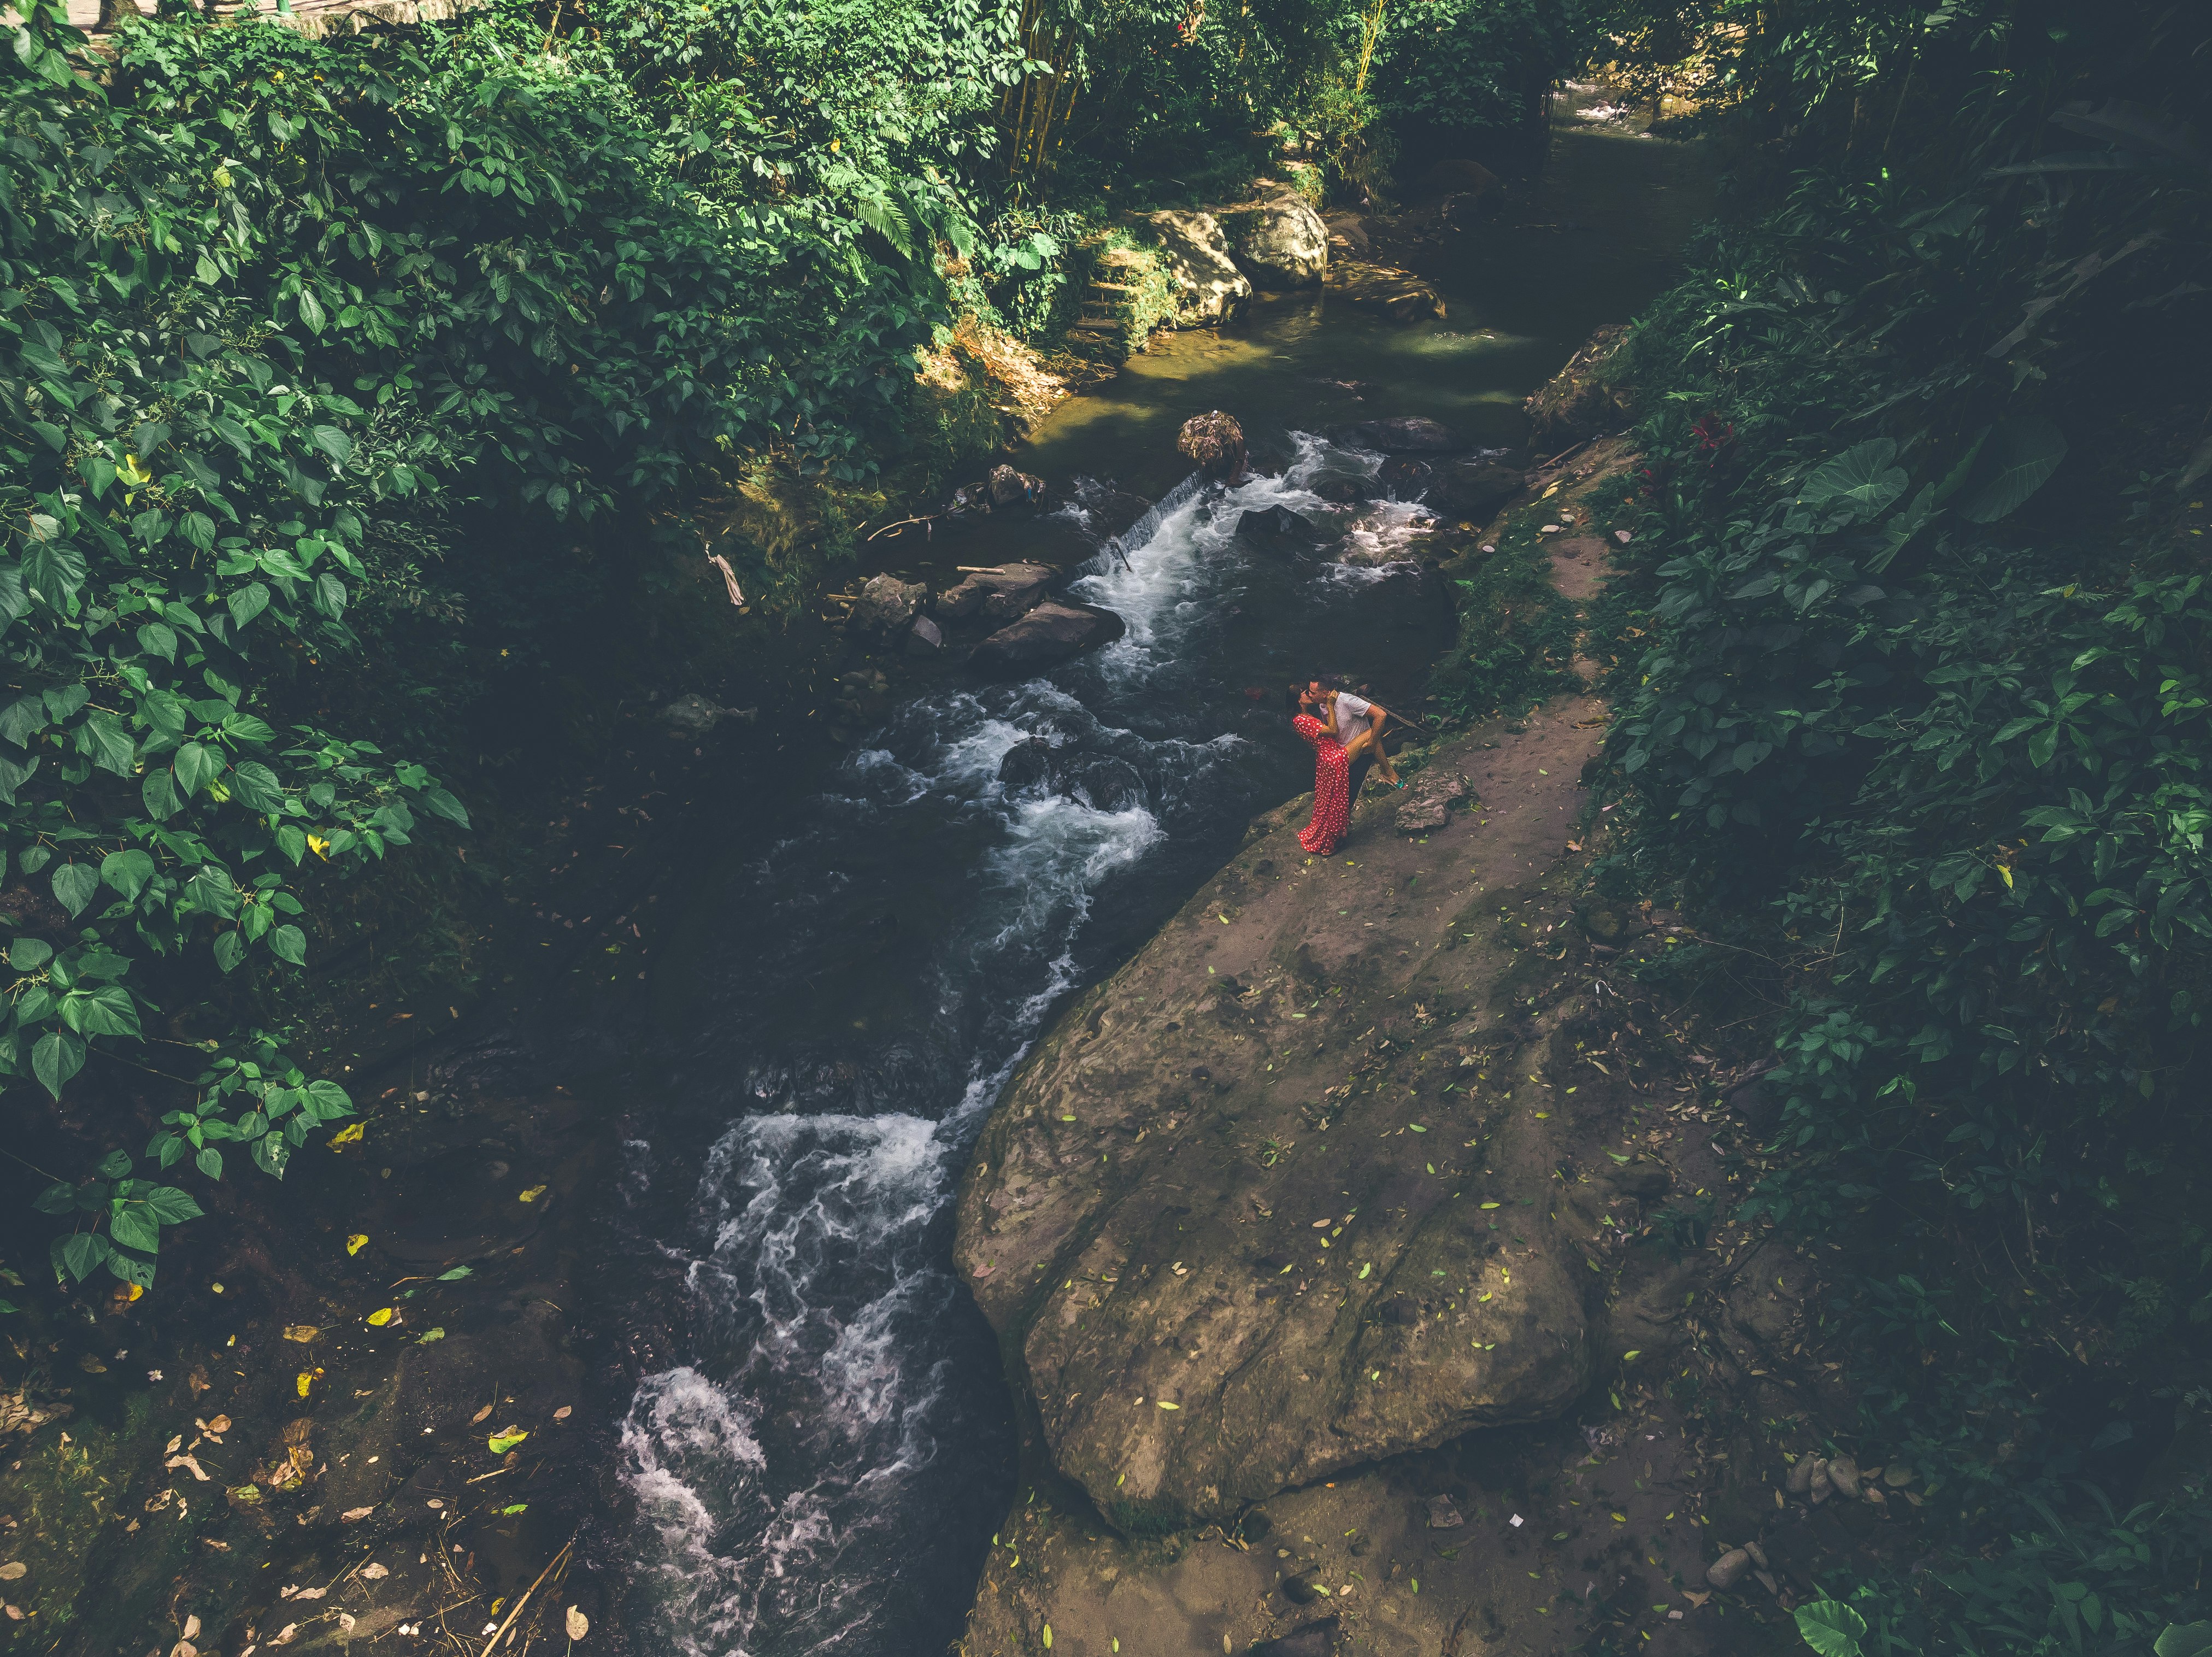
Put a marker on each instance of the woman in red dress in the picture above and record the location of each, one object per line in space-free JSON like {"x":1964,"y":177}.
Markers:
{"x":1332,"y":778}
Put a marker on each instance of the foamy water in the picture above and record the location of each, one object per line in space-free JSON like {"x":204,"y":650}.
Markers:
{"x":786,"y":1472}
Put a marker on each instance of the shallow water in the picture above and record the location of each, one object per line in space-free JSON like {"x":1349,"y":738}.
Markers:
{"x":819,"y":1465}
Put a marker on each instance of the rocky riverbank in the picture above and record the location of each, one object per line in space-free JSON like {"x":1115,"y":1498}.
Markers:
{"x":1359,"y":1251}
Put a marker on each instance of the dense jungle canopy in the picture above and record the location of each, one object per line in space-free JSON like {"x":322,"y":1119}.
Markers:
{"x":366,"y":403}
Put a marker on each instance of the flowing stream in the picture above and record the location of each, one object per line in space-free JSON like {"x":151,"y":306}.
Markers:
{"x":819,"y":1466}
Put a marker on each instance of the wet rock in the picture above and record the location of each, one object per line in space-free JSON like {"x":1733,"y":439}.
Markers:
{"x":1347,"y":234}
{"x":1403,"y":434}
{"x":1027,"y":766}
{"x":693,"y":715}
{"x":1428,"y":803}
{"x":1843,"y":1474}
{"x":1758,"y":1555}
{"x":1402,"y":478}
{"x":1279,"y":244}
{"x":925,"y":637}
{"x":1474,"y":488}
{"x":1302,"y":1590}
{"x":887,"y":605}
{"x":1209,"y":287}
{"x":999,"y":594}
{"x":1399,"y":295}
{"x":1801,"y":1476}
{"x":1008,"y":487}
{"x":1216,"y":442}
{"x":1442,"y":1515}
{"x":1822,"y":1487}
{"x":1730,"y":1568}
{"x":1050,"y":633}
{"x":1308,"y":1639}
{"x":1579,"y":402}
{"x":1456,"y":178}
{"x":1276,"y":529}
{"x":1340,"y":492}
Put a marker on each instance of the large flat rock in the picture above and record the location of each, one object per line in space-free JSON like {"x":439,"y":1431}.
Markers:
{"x":1277,"y":1199}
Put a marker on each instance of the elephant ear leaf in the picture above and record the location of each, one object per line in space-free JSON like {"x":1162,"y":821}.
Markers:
{"x":1830,"y":1628}
{"x":1861,"y":479}
{"x":2021,"y":454}
{"x":2185,"y":1640}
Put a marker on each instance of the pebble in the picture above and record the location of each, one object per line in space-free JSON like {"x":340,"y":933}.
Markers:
{"x":1843,"y":1474}
{"x":1727,"y":1571}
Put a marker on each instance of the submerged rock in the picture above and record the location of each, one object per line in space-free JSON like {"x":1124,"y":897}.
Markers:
{"x":693,"y":715}
{"x":1008,"y":487}
{"x":1456,"y":178}
{"x":1315,"y":1639}
{"x":1399,"y":295}
{"x":1403,"y":434}
{"x":1276,"y":529}
{"x":1050,"y":633}
{"x":1209,"y":287}
{"x":1280,"y":244}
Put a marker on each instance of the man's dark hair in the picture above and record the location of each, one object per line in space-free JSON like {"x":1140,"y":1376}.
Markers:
{"x":1329,"y":681}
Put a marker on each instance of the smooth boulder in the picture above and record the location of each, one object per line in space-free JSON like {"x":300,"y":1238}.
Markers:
{"x":1050,"y":633}
{"x":1281,"y":243}
{"x":1399,"y":295}
{"x":1209,"y":287}
{"x":1275,"y":529}
{"x":1000,"y":594}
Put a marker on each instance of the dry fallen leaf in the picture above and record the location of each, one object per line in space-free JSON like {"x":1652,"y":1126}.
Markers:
{"x":284,"y":1637}
{"x":184,"y":1649}
{"x":355,"y":1243}
{"x":301,"y":1332}
{"x":564,"y":1412}
{"x":578,"y":1624}
{"x":481,"y":1416}
{"x":192,"y":1630}
{"x":220,"y":1424}
{"x":352,"y":1513}
{"x":15,"y":1613}
{"x":374,"y":1572}
{"x":380,"y":1317}
{"x":13,"y":1571}
{"x":532,"y":1195}
{"x":173,"y":1445}
{"x":345,"y":1622}
{"x":189,"y":1463}
{"x":311,"y":1593}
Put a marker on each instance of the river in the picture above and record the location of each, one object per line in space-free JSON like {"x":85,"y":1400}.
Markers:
{"x":870,"y":939}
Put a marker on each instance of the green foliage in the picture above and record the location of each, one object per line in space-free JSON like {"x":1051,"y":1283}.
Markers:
{"x":1516,"y":635}
{"x":270,"y":309}
{"x":2117,"y":1587}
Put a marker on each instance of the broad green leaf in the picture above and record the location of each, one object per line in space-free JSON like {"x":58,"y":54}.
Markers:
{"x":288,"y":943}
{"x":134,"y":1227}
{"x":195,"y":765}
{"x":29,"y":955}
{"x":80,"y":1255}
{"x":2021,"y":454}
{"x":209,"y":1162}
{"x":156,"y":639}
{"x":116,"y":1165}
{"x":247,"y":602}
{"x":171,"y":1206}
{"x":1830,"y":1628}
{"x":2185,"y":1640}
{"x":159,"y":794}
{"x":270,"y":1152}
{"x":127,"y":871}
{"x":1861,"y":479}
{"x":75,"y":884}
{"x":58,"y":1056}
{"x":229,"y":950}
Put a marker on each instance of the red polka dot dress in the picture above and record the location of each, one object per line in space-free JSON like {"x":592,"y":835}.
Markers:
{"x":1332,"y":788}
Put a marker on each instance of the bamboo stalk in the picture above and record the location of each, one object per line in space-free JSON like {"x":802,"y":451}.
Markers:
{"x":524,"y":1600}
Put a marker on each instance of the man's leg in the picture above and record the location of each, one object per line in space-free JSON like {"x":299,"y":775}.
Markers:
{"x":1358,"y":776}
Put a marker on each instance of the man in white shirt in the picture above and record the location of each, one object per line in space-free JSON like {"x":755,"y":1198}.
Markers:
{"x":1353,"y":715}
